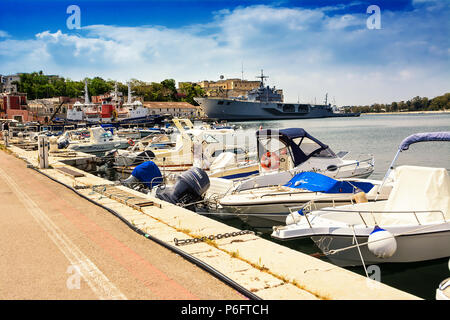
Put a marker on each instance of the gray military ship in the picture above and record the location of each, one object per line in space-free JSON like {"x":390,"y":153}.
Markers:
{"x":264,"y":103}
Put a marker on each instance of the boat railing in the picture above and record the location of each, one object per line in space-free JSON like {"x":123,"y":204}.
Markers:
{"x":311,"y":206}
{"x":357,"y":163}
{"x":306,"y":210}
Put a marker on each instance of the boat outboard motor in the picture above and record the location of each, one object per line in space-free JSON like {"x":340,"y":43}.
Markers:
{"x":147,"y":174}
{"x":189,"y":188}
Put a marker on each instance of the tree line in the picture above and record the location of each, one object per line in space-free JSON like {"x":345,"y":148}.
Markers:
{"x":415,"y":104}
{"x":39,"y":86}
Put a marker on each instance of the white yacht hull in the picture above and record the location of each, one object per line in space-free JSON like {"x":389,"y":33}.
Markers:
{"x":414,"y":242}
{"x":264,"y":216}
{"x":410,"y":248}
{"x":97,"y":148}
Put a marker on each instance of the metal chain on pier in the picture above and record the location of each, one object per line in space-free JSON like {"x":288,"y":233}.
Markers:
{"x":179,"y":242}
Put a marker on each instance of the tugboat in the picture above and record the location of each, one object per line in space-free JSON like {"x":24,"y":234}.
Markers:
{"x":264,"y":103}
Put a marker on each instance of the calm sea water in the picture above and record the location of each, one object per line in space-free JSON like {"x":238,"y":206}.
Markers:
{"x":379,"y":135}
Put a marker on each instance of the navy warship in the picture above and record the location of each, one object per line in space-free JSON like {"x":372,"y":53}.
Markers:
{"x":264,"y":103}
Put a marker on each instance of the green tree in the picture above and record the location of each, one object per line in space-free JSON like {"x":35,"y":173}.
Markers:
{"x":190,"y":91}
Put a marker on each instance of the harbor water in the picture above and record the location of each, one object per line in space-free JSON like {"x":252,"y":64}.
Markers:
{"x":379,"y":135}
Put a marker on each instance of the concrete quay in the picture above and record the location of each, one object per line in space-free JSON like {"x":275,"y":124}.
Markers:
{"x":268,"y":270}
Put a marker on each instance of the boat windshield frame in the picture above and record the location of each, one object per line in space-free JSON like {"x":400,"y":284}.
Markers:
{"x":287,"y":137}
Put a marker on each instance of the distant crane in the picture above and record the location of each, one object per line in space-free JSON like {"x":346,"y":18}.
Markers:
{"x":56,"y":110}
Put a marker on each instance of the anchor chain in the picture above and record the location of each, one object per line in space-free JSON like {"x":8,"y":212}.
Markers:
{"x":179,"y":242}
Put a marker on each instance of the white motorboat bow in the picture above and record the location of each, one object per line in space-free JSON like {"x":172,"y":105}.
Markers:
{"x":413,"y":224}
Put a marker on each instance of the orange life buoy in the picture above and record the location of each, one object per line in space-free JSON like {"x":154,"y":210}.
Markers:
{"x":270,"y":161}
{"x":131,"y":142}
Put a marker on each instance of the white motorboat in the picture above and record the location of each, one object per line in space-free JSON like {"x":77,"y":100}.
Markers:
{"x":99,"y":141}
{"x":263,"y":208}
{"x":413,"y":224}
{"x":295,"y":149}
{"x":284,"y":153}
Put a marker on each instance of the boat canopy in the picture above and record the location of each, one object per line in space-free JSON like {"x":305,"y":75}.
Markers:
{"x":301,"y":143}
{"x":421,"y":137}
{"x":421,"y":190}
{"x":148,"y":173}
{"x":317,"y":182}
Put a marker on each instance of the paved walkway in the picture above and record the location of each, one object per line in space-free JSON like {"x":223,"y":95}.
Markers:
{"x":56,"y":245}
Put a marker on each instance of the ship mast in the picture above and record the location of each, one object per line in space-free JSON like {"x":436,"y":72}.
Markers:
{"x":116,"y":95}
{"x":86,"y":94}
{"x":129,"y":93}
{"x":262,"y":77}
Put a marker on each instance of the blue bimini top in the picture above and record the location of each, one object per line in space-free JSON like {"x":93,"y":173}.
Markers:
{"x":425,"y":136}
{"x":317,"y":182}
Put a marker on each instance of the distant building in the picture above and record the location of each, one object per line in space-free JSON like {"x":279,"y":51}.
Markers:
{"x":7,"y":83}
{"x":14,"y":106}
{"x":228,"y":88}
{"x":174,"y":109}
{"x":43,"y":109}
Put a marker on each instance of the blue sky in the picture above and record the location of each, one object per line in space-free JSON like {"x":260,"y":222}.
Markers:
{"x":308,"y":48}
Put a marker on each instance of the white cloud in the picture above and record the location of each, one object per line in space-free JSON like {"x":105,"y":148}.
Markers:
{"x":305,"y":52}
{"x":4,"y":34}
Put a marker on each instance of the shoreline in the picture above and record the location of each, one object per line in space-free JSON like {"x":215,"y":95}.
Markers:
{"x":409,"y":112}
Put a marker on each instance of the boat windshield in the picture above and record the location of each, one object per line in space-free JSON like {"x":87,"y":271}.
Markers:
{"x":313,"y":149}
{"x":210,"y":139}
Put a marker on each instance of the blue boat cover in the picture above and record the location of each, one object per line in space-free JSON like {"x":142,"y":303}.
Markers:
{"x":317,"y":182}
{"x":146,"y":173}
{"x":427,"y":136}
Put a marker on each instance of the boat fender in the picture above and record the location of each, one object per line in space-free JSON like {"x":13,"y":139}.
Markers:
{"x":270,"y":161}
{"x":382,"y":243}
{"x":360,"y":197}
{"x":294,"y":217}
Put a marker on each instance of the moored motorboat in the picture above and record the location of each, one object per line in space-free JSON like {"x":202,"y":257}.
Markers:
{"x":265,"y":207}
{"x":414,"y":221}
{"x":99,"y":141}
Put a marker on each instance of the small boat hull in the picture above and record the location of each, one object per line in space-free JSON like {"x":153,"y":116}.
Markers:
{"x":410,"y":248}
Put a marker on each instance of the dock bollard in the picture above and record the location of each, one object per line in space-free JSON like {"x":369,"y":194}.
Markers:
{"x":43,"y":149}
{"x":6,"y":138}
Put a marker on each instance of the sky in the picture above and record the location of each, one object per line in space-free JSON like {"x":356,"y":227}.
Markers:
{"x":307,"y":48}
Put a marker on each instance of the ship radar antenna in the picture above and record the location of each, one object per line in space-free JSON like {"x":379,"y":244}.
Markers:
{"x":262,"y":77}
